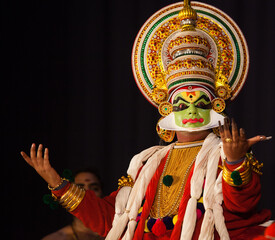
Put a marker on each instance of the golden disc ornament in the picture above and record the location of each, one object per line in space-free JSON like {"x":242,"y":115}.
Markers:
{"x":159,"y":95}
{"x":222,"y":88}
{"x":222,"y":92}
{"x":165,"y":108}
{"x":218,"y":105}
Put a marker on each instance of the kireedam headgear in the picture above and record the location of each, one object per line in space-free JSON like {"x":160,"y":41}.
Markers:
{"x":193,"y":46}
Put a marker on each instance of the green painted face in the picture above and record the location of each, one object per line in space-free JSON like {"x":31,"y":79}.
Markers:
{"x":192,"y":109}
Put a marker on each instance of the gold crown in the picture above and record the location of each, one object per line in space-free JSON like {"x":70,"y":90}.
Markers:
{"x":181,"y":45}
{"x":189,"y":63}
{"x":188,"y":49}
{"x":192,"y":43}
{"x":187,"y":16}
{"x":187,"y":55}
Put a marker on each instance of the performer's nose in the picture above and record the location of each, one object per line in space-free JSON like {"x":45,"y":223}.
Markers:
{"x":192,"y":109}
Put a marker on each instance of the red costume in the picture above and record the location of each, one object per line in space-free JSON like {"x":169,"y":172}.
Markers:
{"x":239,"y":207}
{"x":188,"y":61}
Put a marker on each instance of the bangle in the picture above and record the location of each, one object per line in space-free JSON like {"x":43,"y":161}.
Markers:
{"x":77,"y":201}
{"x":72,"y":197}
{"x":69,"y":195}
{"x":237,"y":178}
{"x":55,"y":188}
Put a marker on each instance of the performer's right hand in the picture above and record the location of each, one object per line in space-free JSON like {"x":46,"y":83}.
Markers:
{"x":42,"y":164}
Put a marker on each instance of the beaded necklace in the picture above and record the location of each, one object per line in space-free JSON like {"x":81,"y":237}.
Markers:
{"x":162,"y":206}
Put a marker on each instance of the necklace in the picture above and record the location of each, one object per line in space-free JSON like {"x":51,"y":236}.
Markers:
{"x":178,"y":163}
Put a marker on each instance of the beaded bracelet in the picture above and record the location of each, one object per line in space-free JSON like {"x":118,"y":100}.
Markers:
{"x":56,"y":187}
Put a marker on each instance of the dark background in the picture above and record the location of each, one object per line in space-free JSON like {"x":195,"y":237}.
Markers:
{"x":67,"y":83}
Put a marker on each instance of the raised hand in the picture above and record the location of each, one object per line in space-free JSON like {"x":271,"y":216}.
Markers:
{"x":235,"y":144}
{"x":42,"y":164}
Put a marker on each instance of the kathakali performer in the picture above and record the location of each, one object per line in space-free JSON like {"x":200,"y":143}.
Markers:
{"x":189,"y":61}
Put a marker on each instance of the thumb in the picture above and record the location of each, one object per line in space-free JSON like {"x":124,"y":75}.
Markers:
{"x":252,"y":141}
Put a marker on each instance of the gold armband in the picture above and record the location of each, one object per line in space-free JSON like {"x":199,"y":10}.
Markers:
{"x":72,"y":198}
{"x":236,"y":178}
{"x":125,"y":181}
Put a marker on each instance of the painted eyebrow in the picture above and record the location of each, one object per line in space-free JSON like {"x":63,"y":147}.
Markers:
{"x":177,"y":100}
{"x":202,"y":97}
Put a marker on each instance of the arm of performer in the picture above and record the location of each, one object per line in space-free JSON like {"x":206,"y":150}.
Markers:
{"x":96,"y":213}
{"x":245,"y":197}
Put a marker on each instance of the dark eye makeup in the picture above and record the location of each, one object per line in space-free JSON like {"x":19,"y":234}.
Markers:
{"x":203,"y":105}
{"x":181,"y":107}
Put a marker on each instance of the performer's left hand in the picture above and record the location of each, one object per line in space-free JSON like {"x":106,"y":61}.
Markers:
{"x":235,"y":144}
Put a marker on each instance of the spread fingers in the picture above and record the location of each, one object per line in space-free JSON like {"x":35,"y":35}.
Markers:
{"x":26,"y":158}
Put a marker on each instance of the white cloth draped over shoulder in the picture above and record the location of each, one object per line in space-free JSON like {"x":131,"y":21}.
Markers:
{"x":129,"y":200}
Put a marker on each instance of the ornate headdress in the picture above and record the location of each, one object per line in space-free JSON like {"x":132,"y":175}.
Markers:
{"x":187,"y":44}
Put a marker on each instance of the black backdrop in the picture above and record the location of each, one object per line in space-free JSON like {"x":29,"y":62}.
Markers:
{"x":67,"y":83}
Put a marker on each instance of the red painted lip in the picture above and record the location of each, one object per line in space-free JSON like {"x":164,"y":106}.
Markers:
{"x":190,"y":120}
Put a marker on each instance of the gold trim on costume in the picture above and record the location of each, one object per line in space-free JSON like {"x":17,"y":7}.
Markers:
{"x":125,"y":181}
{"x":189,"y":144}
{"x":254,"y":163}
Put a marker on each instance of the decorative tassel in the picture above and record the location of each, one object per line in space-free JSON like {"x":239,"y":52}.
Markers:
{"x":151,"y":223}
{"x":167,"y":180}
{"x":159,"y":228}
{"x":67,"y":173}
{"x":138,"y":218}
{"x":199,"y":214}
{"x":200,"y":210}
{"x":168,"y":221}
{"x":146,"y":229}
{"x":49,"y":200}
{"x":237,"y":180}
{"x":175,"y":219}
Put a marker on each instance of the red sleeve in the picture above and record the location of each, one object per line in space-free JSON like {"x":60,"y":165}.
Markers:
{"x":96,"y":213}
{"x":239,"y":206}
{"x":242,"y":199}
